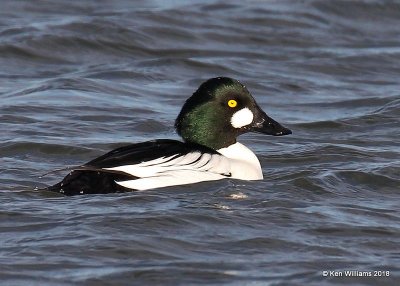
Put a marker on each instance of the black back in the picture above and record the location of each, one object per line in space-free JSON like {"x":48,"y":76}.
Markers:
{"x":146,"y":151}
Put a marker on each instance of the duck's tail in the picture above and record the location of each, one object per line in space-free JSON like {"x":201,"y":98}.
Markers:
{"x":90,"y":181}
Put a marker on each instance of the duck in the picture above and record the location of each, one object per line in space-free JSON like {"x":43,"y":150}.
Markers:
{"x":210,"y":121}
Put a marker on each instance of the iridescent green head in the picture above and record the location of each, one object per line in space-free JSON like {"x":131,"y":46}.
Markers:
{"x":220,"y":110}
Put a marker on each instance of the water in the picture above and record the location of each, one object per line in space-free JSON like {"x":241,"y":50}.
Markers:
{"x":79,"y":79}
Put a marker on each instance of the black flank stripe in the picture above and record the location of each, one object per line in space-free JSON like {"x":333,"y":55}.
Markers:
{"x":194,"y":161}
{"x":169,"y":160}
{"x":207,"y":162}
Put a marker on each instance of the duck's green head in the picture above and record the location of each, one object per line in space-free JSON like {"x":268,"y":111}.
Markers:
{"x":220,"y":110}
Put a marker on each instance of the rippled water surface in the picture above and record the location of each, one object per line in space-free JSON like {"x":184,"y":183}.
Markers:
{"x":78,"y":79}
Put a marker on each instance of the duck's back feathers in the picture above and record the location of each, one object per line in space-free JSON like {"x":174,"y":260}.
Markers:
{"x":146,"y":165}
{"x":146,"y":151}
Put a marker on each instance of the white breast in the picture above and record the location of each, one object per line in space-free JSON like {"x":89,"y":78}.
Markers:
{"x":244,"y":163}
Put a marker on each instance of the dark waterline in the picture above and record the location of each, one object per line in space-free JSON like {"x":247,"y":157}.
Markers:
{"x":79,"y":79}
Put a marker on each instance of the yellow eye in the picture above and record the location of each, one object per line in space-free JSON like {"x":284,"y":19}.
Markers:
{"x":232,"y":103}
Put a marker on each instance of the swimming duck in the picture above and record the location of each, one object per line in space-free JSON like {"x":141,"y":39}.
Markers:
{"x":210,"y":121}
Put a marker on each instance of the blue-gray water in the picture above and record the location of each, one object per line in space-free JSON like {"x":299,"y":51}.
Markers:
{"x":79,"y":78}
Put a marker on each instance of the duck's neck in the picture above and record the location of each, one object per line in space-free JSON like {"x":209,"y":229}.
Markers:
{"x":206,"y":130}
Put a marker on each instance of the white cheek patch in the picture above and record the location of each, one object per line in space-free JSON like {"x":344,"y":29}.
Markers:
{"x":242,"y":118}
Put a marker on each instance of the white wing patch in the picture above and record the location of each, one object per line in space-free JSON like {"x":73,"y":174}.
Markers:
{"x":175,"y":170}
{"x":172,"y":178}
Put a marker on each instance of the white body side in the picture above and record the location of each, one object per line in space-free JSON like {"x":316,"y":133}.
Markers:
{"x":236,"y":161}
